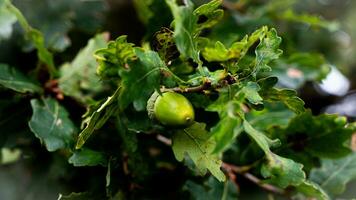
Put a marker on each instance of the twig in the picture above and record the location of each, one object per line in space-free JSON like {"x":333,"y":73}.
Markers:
{"x":232,"y":176}
{"x":264,"y":186}
{"x":243,"y":170}
{"x":236,"y":169}
{"x":228,"y":80}
{"x":164,"y":140}
{"x":186,"y":90}
{"x":238,"y":6}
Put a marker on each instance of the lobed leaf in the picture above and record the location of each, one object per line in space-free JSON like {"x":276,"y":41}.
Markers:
{"x":194,"y":141}
{"x":333,"y":175}
{"x":141,"y":79}
{"x":185,"y":25}
{"x":209,"y":14}
{"x":113,"y":57}
{"x":282,"y":171}
{"x":322,"y":136}
{"x":238,"y":49}
{"x":287,"y":96}
{"x":267,"y":50}
{"x":51,"y":124}
{"x":260,"y":138}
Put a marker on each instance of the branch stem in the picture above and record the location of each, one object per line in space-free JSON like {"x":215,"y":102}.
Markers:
{"x":267,"y":187}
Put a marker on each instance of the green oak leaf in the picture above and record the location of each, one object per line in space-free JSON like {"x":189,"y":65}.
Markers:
{"x":188,"y":23}
{"x":230,"y":114}
{"x":287,"y":96}
{"x":322,"y":136}
{"x":87,"y":157}
{"x":311,"y":189}
{"x":113,"y":57}
{"x":141,"y":79}
{"x":260,"y":138}
{"x":138,"y":70}
{"x":196,"y":143}
{"x":267,"y":51}
{"x":282,"y":171}
{"x":218,"y":52}
{"x":79,"y":77}
{"x":333,"y":175}
{"x":185,"y":25}
{"x":269,"y":117}
{"x":226,"y":94}
{"x":228,"y":128}
{"x":51,"y":124}
{"x":36,"y":37}
{"x":96,"y":116}
{"x":250,"y":90}
{"x":209,"y":13}
{"x":278,"y":170}
{"x":14,"y":79}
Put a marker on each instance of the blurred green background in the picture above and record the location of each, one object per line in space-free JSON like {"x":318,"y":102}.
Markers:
{"x":67,"y":26}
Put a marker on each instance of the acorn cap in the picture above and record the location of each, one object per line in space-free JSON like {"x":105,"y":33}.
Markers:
{"x":151,"y":104}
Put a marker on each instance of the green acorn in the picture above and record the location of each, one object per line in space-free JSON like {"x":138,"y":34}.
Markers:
{"x":170,"y":109}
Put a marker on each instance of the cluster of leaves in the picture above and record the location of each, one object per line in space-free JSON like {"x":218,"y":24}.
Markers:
{"x":234,"y":79}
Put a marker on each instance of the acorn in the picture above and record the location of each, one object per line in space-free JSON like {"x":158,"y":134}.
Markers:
{"x":170,"y":109}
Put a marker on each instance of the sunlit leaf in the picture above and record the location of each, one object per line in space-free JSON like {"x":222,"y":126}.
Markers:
{"x":96,"y":117}
{"x":195,"y":142}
